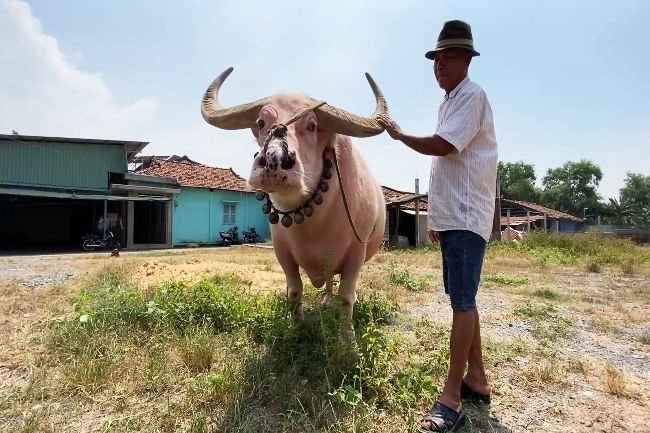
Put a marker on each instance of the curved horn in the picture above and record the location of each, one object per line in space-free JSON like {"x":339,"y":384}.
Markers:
{"x":343,"y":122}
{"x":238,"y":117}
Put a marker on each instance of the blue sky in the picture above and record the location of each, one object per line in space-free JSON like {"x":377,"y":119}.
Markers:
{"x":566,"y":80}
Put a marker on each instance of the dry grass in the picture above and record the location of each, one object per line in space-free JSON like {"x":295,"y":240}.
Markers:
{"x":616,"y":383}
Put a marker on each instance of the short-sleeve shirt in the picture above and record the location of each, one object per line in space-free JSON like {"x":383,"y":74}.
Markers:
{"x":462,"y":187}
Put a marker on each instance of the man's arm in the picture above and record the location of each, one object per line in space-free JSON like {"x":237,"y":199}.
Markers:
{"x":431,"y":145}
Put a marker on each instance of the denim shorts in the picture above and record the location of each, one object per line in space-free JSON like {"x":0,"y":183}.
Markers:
{"x":462,"y":261}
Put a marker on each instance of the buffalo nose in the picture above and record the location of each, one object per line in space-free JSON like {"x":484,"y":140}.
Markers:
{"x":280,"y":131}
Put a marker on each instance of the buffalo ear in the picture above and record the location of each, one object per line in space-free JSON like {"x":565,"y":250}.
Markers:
{"x":256,"y":131}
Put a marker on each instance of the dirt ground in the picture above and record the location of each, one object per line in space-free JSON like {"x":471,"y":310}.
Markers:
{"x":598,"y":380}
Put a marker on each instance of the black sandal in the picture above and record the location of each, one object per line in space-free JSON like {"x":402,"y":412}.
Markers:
{"x":443,"y":419}
{"x":467,"y":393}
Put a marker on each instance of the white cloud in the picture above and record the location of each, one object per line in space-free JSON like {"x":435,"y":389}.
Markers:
{"x":43,"y":93}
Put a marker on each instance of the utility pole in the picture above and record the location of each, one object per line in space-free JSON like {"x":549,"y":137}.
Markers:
{"x":417,"y":212}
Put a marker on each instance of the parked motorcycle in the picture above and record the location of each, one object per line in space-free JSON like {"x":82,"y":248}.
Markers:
{"x":93,"y":242}
{"x":251,"y":236}
{"x":230,"y":237}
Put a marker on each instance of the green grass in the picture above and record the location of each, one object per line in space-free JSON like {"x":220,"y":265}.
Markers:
{"x":591,"y":250}
{"x":228,"y":352}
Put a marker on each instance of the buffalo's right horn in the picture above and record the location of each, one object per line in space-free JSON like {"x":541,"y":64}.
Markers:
{"x":238,"y":117}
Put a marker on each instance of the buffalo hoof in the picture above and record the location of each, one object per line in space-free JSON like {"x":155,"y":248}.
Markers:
{"x":327,"y":301}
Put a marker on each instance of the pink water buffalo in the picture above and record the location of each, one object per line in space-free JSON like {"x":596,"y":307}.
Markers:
{"x":326,"y":210}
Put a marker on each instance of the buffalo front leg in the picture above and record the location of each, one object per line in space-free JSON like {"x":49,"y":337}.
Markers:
{"x":294,"y":291}
{"x":327,"y":297}
{"x":348,"y":297}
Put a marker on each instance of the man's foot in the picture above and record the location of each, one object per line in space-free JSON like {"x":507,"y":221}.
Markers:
{"x":467,"y":393}
{"x":442,"y":418}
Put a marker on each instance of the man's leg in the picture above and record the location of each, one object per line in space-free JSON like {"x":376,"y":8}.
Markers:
{"x":462,"y":334}
{"x":463,"y":254}
{"x":476,"y":377}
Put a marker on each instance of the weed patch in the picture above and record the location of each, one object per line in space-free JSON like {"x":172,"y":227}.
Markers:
{"x":404,"y":278}
{"x":505,"y":280}
{"x":548,"y":294}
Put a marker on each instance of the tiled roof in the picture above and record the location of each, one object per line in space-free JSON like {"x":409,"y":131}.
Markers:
{"x":550,"y":213}
{"x":190,"y":173}
{"x":406,"y":200}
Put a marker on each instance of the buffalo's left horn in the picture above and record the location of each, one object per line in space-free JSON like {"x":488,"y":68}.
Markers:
{"x":343,"y":122}
{"x":238,"y":117}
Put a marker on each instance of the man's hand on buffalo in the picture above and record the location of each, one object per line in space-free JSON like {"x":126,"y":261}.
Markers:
{"x":390,"y":125}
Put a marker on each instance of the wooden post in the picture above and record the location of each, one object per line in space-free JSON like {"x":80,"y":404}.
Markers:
{"x":508,"y":217}
{"x":496,"y":224}
{"x":528,"y":220}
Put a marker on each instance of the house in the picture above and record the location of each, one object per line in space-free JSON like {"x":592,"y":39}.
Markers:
{"x":55,"y":190}
{"x":526,"y":216}
{"x":211,"y":200}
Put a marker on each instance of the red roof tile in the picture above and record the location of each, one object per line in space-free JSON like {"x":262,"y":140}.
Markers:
{"x":550,"y":213}
{"x":189,"y":173}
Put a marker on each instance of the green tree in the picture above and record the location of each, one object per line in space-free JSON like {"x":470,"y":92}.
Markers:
{"x":517,"y":181}
{"x":573,"y":187}
{"x":635,"y":195}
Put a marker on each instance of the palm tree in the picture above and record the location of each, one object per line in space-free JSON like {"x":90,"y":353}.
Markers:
{"x":622,"y":213}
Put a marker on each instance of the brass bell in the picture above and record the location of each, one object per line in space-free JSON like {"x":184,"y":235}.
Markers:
{"x":274,"y":217}
{"x":318,"y":199}
{"x":308,"y":211}
{"x":298,"y":218}
{"x":260,"y":195}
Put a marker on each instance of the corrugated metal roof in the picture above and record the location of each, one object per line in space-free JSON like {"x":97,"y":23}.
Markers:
{"x":132,"y":147}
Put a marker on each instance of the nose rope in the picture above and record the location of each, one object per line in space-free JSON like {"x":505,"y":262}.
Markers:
{"x":279,"y":130}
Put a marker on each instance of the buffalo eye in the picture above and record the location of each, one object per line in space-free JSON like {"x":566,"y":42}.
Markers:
{"x":311,"y":127}
{"x":260,"y":123}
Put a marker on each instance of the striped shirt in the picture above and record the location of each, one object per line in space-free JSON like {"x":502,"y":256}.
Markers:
{"x":462,"y":186}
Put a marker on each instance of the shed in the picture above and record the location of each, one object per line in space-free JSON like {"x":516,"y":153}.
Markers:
{"x":55,"y":190}
{"x":401,"y":218}
{"x":525,"y":216}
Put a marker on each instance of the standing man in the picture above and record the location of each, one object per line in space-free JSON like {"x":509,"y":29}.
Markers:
{"x":462,"y":189}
